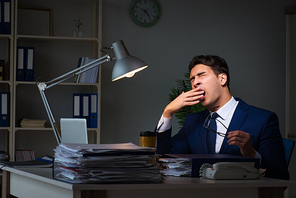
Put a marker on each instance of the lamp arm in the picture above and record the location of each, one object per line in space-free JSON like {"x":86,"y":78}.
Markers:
{"x":42,"y":86}
{"x":78,"y":71}
{"x":54,"y":124}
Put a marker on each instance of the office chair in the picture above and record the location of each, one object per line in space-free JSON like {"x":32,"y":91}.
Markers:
{"x":288,"y":146}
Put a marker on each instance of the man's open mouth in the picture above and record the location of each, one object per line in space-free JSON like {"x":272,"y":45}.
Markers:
{"x":203,"y":95}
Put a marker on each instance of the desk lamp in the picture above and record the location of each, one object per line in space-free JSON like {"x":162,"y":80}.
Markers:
{"x":125,"y":66}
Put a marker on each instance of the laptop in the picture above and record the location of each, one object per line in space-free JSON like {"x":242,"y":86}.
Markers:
{"x":74,"y":130}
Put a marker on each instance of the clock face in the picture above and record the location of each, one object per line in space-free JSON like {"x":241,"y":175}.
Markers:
{"x":145,"y":12}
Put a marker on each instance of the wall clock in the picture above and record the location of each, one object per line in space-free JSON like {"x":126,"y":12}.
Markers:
{"x":145,"y":13}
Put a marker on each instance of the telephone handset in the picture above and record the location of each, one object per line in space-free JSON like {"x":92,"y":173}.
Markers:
{"x":229,"y":170}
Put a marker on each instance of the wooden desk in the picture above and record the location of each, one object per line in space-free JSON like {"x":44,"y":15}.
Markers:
{"x":38,"y":182}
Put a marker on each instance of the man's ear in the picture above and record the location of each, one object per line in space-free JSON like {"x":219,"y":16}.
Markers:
{"x":223,"y":79}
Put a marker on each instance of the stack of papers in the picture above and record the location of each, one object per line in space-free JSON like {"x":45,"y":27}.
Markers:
{"x":105,"y":163}
{"x":30,"y":123}
{"x":175,"y":166}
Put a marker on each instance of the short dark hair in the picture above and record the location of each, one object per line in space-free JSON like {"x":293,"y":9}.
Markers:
{"x":217,"y":64}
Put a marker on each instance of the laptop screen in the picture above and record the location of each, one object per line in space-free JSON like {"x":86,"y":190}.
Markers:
{"x":74,"y":130}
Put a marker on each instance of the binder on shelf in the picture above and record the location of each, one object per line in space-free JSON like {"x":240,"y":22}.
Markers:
{"x":4,"y":109}
{"x":93,"y":118}
{"x":1,"y":17}
{"x":76,"y":105}
{"x":2,"y":63}
{"x":85,"y":107}
{"x":29,"y":74}
{"x":20,"y":71}
{"x":25,"y":64}
{"x":6,"y":26}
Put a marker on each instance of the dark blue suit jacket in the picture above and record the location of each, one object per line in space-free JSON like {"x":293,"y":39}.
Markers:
{"x":262,"y":125}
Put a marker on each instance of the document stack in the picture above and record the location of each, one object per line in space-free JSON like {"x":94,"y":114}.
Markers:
{"x":105,"y":163}
{"x":175,"y":166}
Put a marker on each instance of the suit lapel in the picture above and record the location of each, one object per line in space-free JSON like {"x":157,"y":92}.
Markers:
{"x":236,"y":122}
{"x":203,"y":132}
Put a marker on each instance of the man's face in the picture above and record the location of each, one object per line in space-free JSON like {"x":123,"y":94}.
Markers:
{"x":203,"y":78}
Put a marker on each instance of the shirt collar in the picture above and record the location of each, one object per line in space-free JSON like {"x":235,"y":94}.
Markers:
{"x":224,"y":111}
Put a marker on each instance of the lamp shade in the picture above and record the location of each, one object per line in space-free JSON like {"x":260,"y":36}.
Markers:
{"x":126,"y":65}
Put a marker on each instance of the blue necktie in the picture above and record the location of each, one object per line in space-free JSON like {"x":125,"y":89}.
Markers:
{"x":211,"y":137}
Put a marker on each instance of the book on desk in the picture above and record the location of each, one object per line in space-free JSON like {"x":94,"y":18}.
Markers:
{"x":37,"y":163}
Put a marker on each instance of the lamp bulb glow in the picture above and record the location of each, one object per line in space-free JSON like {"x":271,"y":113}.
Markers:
{"x":129,"y":75}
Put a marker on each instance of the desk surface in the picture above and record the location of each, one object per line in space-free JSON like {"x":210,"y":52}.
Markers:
{"x":45,"y":175}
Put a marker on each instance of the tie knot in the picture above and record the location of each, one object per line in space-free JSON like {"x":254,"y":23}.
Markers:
{"x":214,"y":115}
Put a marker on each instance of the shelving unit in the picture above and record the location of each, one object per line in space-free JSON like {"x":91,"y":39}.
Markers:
{"x":54,"y":56}
{"x":7,"y":83}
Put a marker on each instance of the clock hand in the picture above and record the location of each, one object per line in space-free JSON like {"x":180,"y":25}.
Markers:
{"x":142,"y":16}
{"x":146,"y":13}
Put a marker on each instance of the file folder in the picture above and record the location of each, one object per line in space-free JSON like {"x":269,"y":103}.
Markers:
{"x":29,"y":74}
{"x":6,"y":17}
{"x":76,"y":105}
{"x":93,"y":118}
{"x":4,"y":110}
{"x":1,"y":17}
{"x":85,"y":107}
{"x":20,"y":71}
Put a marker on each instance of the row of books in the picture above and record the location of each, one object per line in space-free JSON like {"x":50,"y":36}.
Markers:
{"x":24,"y":155}
{"x":5,"y":17}
{"x":85,"y":105}
{"x":25,"y":64}
{"x":89,"y":76}
{"x":105,"y":163}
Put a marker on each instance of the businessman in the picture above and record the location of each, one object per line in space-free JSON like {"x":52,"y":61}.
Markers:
{"x":227,"y":126}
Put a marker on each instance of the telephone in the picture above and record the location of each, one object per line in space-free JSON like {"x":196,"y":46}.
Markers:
{"x":229,"y":170}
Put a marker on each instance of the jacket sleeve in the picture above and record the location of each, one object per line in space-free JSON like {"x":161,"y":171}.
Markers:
{"x":177,"y":144}
{"x":271,"y":149}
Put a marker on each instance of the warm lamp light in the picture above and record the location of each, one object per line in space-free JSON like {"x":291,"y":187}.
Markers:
{"x":125,"y":66}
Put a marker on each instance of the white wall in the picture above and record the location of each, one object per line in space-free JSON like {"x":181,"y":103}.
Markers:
{"x":250,"y":35}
